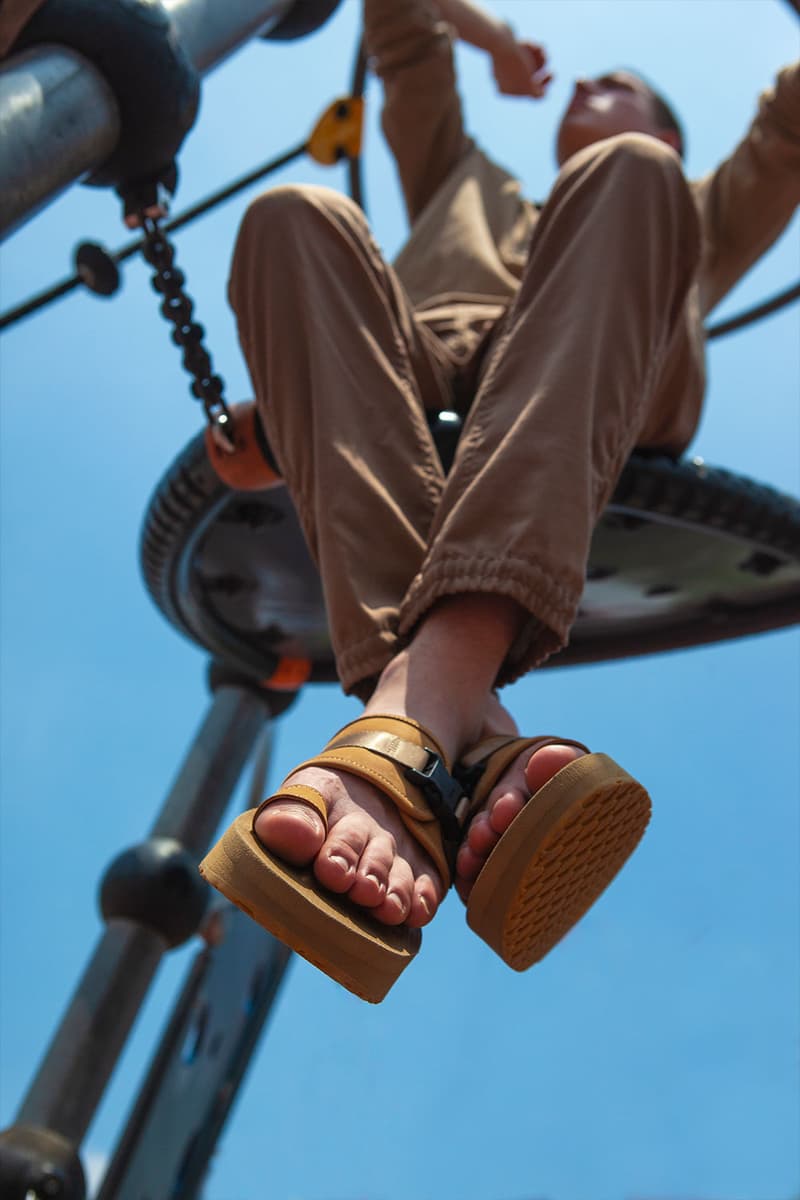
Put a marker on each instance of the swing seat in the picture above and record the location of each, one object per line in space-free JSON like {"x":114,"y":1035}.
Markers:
{"x":684,"y":555}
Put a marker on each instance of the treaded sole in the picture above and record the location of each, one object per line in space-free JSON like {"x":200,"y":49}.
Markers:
{"x":557,"y":858}
{"x":335,"y":936}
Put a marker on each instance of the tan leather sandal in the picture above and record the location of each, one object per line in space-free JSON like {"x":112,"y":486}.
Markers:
{"x":405,"y":762}
{"x":557,"y":857}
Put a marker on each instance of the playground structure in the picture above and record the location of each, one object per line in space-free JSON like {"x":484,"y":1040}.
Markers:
{"x":685,"y":554}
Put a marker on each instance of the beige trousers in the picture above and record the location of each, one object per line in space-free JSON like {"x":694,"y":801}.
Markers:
{"x":595,"y":355}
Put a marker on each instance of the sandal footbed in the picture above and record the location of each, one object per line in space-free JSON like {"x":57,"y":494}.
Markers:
{"x":557,"y":857}
{"x":329,"y":931}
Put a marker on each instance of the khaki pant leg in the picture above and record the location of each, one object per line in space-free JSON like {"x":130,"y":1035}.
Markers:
{"x":573,"y":378}
{"x":342,"y":373}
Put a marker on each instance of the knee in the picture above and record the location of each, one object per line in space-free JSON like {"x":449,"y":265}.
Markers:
{"x":637,"y":156}
{"x":631,"y":172}
{"x":292,"y":207}
{"x":642,"y":151}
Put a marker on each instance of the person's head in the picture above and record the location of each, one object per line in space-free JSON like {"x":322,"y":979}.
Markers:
{"x":619,"y":102}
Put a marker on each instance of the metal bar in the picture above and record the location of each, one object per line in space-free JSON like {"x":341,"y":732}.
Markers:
{"x":268,"y":969}
{"x":83,"y":1052}
{"x":209,"y":31}
{"x":152,"y":1089}
{"x":59,"y":119}
{"x":204,"y":1050}
{"x":757,"y":313}
{"x":69,"y":1084}
{"x":200,"y":793}
{"x":197,"y":1069}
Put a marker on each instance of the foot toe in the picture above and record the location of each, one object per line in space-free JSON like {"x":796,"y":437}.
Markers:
{"x":547,"y":762}
{"x":469,"y":863}
{"x":480,"y":835}
{"x":505,"y":802}
{"x":426,"y":898}
{"x":396,"y":905}
{"x":372,"y":875}
{"x":336,"y":865}
{"x":292,"y":830}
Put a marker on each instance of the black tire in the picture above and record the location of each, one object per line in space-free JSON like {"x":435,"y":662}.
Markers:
{"x":745,"y":533}
{"x":692,"y":491}
{"x":191,"y":503}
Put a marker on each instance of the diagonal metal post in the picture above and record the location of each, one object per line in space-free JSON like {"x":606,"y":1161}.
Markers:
{"x":75,"y":1070}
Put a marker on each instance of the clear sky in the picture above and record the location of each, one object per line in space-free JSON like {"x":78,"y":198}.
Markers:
{"x":654,"y":1053}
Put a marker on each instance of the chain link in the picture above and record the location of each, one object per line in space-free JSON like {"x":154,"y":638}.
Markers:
{"x":178,"y":308}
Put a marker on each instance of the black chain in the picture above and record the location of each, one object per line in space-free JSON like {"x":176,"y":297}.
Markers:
{"x":177,"y":308}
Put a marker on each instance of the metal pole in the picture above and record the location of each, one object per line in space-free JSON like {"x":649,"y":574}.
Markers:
{"x":211,"y":769}
{"x":59,"y":120}
{"x":72,"y":1077}
{"x":210,"y":31}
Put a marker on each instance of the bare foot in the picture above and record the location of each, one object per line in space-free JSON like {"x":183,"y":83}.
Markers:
{"x":523,"y":778}
{"x":368,"y":852}
{"x":442,"y":680}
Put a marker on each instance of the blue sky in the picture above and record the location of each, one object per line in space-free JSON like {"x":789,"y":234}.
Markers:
{"x":654,"y":1053}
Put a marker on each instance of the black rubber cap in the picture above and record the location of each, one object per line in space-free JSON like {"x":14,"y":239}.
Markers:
{"x":156,"y":884}
{"x":39,"y":1163}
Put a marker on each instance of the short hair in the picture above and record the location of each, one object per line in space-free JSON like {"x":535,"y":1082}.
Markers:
{"x":665,"y":115}
{"x":663,"y":112}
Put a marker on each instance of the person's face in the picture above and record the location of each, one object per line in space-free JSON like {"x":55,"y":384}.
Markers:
{"x":600,"y":108}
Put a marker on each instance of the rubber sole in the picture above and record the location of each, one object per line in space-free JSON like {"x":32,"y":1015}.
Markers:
{"x":559,"y":855}
{"x":360,"y":953}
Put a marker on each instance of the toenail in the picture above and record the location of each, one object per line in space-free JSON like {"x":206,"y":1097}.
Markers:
{"x":339,"y":861}
{"x":378,"y":882}
{"x":424,"y":904}
{"x":397,"y":900}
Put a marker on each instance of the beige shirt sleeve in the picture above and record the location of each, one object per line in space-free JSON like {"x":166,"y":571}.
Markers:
{"x":749,"y":200}
{"x":410,"y":49}
{"x":14,"y":14}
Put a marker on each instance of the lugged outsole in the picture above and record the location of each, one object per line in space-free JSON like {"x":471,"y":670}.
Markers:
{"x":557,"y":858}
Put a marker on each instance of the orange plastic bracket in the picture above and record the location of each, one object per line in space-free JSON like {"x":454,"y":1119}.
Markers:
{"x":289,"y":675}
{"x":245,"y":470}
{"x":337,"y":134}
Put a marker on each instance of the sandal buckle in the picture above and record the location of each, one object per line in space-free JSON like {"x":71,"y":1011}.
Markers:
{"x":442,"y":793}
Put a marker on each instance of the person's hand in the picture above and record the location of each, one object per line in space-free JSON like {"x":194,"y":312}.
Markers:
{"x":520,"y":68}
{"x":156,"y":212}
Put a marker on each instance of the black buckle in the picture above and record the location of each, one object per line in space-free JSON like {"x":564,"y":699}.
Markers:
{"x":442,"y":793}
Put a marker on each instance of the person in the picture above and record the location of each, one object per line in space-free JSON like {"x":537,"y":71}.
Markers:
{"x":566,"y":336}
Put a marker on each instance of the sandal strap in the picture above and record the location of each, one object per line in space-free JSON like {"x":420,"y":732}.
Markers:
{"x":480,"y":767}
{"x":297,"y":791}
{"x":423,"y":767}
{"x":406,"y":763}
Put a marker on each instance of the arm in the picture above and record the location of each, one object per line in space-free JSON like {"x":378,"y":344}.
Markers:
{"x":410,"y":46}
{"x":748,"y":201}
{"x":520,"y":68}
